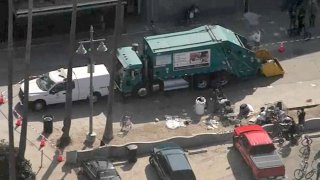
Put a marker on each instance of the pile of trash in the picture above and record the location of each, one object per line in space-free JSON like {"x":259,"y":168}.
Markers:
{"x":174,"y":122}
{"x":273,"y":112}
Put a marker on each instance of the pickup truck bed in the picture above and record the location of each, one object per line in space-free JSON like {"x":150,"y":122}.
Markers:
{"x":268,"y":160}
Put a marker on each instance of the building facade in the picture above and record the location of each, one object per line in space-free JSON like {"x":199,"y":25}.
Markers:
{"x":53,"y":16}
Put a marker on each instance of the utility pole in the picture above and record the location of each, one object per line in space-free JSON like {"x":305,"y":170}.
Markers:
{"x":12,"y":161}
{"x":108,"y":131}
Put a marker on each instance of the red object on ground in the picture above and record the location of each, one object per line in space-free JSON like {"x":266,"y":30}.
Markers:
{"x":18,"y":122}
{"x":60,"y":157}
{"x":281,"y":48}
{"x":1,"y":99}
{"x":42,"y":142}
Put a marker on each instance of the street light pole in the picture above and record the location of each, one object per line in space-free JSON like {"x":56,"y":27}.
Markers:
{"x":91,"y":134}
{"x":81,"y":50}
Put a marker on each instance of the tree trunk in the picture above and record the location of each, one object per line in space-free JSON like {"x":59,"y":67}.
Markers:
{"x":23,"y":135}
{"x":65,"y":138}
{"x":12,"y":167}
{"x":108,"y":131}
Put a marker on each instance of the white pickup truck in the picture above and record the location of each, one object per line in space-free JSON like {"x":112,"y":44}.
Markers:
{"x":50,"y":88}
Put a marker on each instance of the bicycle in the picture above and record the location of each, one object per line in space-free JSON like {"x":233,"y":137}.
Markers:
{"x":315,"y":165}
{"x":280,"y":131}
{"x":300,"y":173}
{"x":306,"y":141}
{"x":305,"y":152}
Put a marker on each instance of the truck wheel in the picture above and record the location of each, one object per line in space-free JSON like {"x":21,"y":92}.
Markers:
{"x":202,"y":82}
{"x":142,"y":91}
{"x":38,"y":105}
{"x":96,"y":96}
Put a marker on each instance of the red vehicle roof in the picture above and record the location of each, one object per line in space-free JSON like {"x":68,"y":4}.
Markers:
{"x":257,"y":138}
{"x":255,"y":134}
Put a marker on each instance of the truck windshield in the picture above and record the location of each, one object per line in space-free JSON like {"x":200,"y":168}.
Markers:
{"x":44,"y":82}
{"x":262,"y":149}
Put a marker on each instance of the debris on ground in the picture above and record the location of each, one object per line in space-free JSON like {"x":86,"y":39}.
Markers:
{"x":176,"y":122}
{"x":211,"y":124}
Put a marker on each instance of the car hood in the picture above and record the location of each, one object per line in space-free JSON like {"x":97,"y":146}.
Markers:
{"x":33,"y":87}
{"x":268,"y":160}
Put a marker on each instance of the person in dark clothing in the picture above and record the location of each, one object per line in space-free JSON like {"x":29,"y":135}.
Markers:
{"x":293,"y":17}
{"x":301,"y":118}
{"x":301,"y":16}
{"x":292,"y":129}
{"x":312,"y":20}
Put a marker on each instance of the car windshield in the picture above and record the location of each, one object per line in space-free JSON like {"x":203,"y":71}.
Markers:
{"x":262,"y":149}
{"x":44,"y":82}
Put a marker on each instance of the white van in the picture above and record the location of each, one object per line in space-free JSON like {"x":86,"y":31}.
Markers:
{"x":50,"y":88}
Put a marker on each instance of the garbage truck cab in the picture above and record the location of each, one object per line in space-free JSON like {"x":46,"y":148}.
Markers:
{"x":129,"y":71}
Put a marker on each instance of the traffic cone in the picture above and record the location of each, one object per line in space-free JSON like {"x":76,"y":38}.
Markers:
{"x":42,"y":142}
{"x":1,"y":99}
{"x":60,"y":157}
{"x":18,"y":122}
{"x":281,"y":48}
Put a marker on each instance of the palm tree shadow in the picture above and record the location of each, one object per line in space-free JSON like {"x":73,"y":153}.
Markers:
{"x":52,"y":166}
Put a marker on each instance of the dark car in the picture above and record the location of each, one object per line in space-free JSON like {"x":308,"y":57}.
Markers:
{"x":171,"y":163}
{"x":100,"y":170}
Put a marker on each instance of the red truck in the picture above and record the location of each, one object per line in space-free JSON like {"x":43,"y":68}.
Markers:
{"x":259,"y":152}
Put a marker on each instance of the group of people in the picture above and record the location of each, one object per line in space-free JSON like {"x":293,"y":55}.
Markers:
{"x":275,"y":114}
{"x":294,"y":128}
{"x":298,"y":12}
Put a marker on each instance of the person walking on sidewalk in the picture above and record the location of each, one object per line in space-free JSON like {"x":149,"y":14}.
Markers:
{"x":293,"y":17}
{"x":301,"y":16}
{"x":301,"y":117}
{"x":313,"y":12}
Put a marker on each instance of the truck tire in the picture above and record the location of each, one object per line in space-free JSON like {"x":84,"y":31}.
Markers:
{"x":96,"y":96}
{"x":38,"y":105}
{"x":160,"y":84}
{"x":201,"y":82}
{"x":141,"y":91}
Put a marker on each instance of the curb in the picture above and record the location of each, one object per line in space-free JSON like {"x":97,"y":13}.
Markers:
{"x":306,"y":106}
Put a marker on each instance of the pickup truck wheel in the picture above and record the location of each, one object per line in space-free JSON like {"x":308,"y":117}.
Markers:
{"x":151,"y":161}
{"x":38,"y":105}
{"x":234,"y":143}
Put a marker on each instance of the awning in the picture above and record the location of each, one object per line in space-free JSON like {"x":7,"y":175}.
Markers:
{"x":65,"y":8}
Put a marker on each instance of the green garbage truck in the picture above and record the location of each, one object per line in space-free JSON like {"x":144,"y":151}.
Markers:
{"x":193,"y":58}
